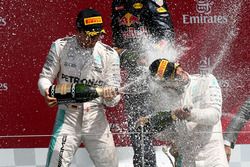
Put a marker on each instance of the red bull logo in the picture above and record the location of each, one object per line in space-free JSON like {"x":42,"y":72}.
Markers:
{"x":128,"y":19}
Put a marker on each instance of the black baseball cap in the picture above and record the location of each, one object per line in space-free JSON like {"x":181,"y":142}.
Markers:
{"x":90,"y":21}
{"x":163,"y":68}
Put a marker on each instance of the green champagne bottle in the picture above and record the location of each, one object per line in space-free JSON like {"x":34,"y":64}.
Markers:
{"x":74,"y":93}
{"x":161,"y":120}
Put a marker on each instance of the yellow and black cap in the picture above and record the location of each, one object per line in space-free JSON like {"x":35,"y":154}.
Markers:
{"x":90,"y":21}
{"x":163,"y":69}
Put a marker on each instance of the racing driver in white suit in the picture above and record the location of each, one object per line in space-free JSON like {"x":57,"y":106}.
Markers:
{"x":82,"y":59}
{"x":195,"y":104}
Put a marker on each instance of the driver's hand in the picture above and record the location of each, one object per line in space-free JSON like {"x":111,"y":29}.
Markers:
{"x":109,"y":93}
{"x":181,"y":113}
{"x":228,"y":152}
{"x":142,"y":121}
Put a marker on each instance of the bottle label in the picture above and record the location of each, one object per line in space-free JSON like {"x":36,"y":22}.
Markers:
{"x":63,"y":89}
{"x":73,"y":90}
{"x":73,"y":93}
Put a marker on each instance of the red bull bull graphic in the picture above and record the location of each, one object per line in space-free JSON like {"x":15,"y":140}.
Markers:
{"x":128,"y":19}
{"x":132,"y":24}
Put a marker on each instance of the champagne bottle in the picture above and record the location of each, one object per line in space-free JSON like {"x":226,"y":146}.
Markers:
{"x":161,"y":120}
{"x":74,"y":93}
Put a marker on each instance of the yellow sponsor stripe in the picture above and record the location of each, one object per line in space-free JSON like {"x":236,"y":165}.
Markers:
{"x":161,"y":10}
{"x":138,"y":5}
{"x":162,"y":68}
{"x":93,"y":20}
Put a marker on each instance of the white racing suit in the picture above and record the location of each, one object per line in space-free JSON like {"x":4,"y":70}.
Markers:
{"x":199,"y":139}
{"x":77,"y":123}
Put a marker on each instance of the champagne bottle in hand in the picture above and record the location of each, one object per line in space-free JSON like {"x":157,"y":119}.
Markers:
{"x":159,"y":121}
{"x":74,"y":93}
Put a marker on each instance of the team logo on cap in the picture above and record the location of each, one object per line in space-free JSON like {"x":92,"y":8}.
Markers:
{"x":93,"y":20}
{"x":138,"y":5}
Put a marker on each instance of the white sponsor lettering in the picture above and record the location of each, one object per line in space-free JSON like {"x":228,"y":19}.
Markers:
{"x":3,"y":86}
{"x":2,"y":22}
{"x":203,"y":19}
{"x":224,"y":83}
{"x":204,"y":8}
{"x":134,"y":33}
